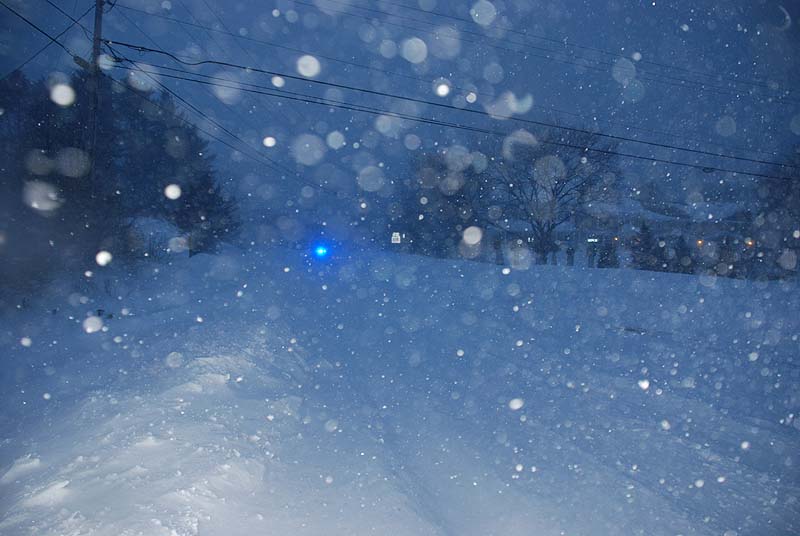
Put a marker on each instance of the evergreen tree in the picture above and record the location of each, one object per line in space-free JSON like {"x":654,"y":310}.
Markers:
{"x":75,"y":182}
{"x":776,"y":242}
{"x":727,"y":257}
{"x":206,"y":215}
{"x":608,"y":257}
{"x":438,"y":204}
{"x":175,"y":154}
{"x":68,"y":199}
{"x":683,"y":261}
{"x":645,"y":250}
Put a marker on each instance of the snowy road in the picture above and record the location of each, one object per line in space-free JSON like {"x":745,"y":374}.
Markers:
{"x":395,"y":394}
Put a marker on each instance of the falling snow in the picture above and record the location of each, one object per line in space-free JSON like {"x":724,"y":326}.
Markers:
{"x":407,"y":267}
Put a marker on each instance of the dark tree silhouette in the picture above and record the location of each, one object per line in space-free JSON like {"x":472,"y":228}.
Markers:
{"x":608,"y":257}
{"x":439,"y":202}
{"x":683,"y":262}
{"x":645,"y":251}
{"x":76,"y":184}
{"x":776,"y":227}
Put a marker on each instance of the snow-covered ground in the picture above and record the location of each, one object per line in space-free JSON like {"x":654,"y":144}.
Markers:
{"x":262,"y":393}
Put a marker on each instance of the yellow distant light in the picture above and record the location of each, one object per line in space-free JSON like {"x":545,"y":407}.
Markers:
{"x":699,"y":243}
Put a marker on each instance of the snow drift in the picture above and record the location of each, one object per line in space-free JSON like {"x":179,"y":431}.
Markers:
{"x":261,"y":392}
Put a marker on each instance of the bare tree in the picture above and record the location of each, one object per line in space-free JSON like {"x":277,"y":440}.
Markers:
{"x":544,"y":182}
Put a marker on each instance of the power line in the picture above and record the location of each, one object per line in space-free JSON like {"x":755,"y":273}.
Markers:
{"x":584,"y":64}
{"x":273,"y":164}
{"x":37,"y":28}
{"x":157,"y":105}
{"x":211,"y":30}
{"x":496,"y":133}
{"x":565,"y":42}
{"x":207,"y":133}
{"x":225,"y":104}
{"x":212,"y":136}
{"x":194,"y":20}
{"x":225,"y":143}
{"x":320,"y":101}
{"x":216,"y":138}
{"x":219,"y":45}
{"x":539,"y":123}
{"x":280,"y":46}
{"x":45,"y":47}
{"x":199,"y":112}
{"x":186,"y":121}
{"x":194,"y":24}
{"x":270,"y":162}
{"x":238,"y":43}
{"x":481,"y":38}
{"x":68,"y":51}
{"x":451,"y":107}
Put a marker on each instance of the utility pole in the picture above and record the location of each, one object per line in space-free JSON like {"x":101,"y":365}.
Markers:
{"x":98,"y":28}
{"x":94,"y":84}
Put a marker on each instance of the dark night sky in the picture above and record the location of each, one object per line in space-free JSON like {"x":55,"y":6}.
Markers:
{"x":744,"y":40}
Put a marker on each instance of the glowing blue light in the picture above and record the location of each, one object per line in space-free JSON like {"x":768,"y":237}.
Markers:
{"x":321,"y":251}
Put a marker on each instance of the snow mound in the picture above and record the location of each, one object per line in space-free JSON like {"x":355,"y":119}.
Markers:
{"x":262,"y":393}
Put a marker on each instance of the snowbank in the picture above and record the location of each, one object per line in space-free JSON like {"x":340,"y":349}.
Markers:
{"x":263,"y":393}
